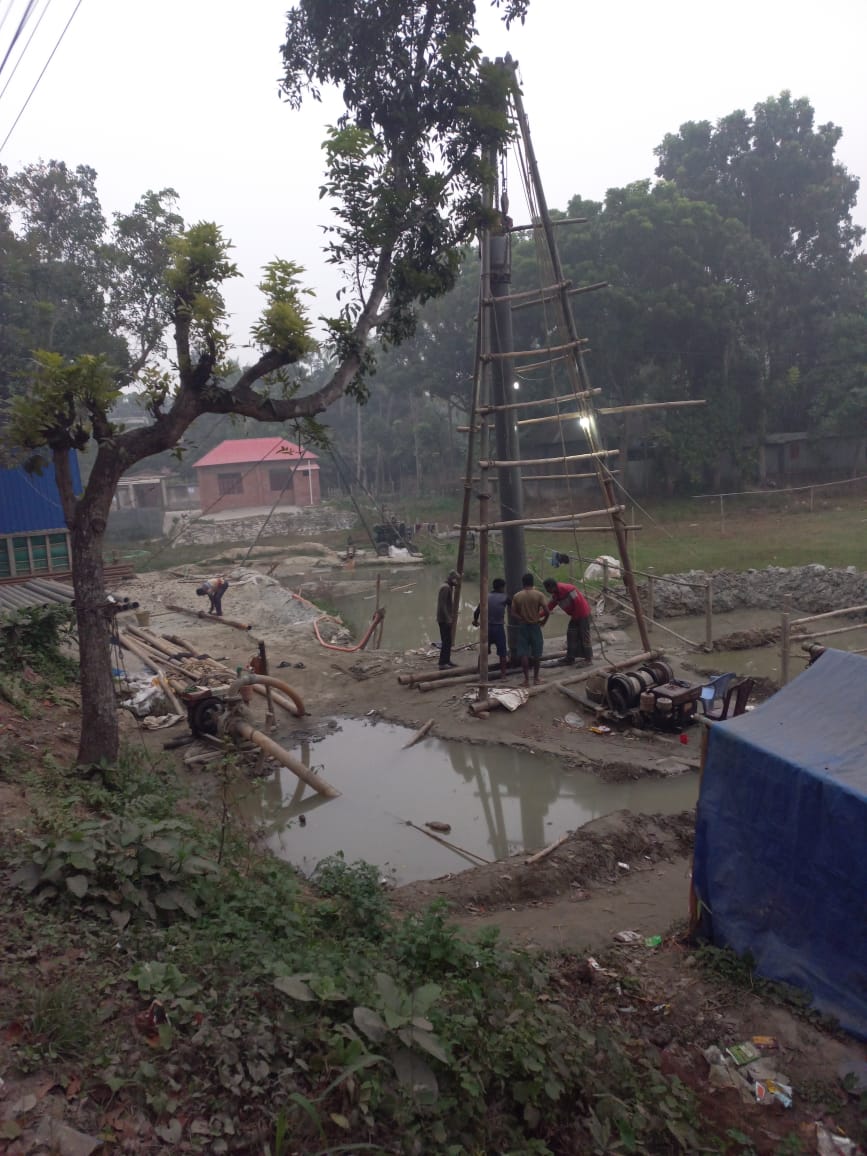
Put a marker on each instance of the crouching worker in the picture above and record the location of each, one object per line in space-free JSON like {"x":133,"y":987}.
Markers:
{"x":498,"y":603}
{"x":214,"y":588}
{"x":576,"y":607}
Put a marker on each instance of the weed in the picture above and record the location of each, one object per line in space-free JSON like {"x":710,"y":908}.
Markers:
{"x":55,"y":1025}
{"x":357,"y":898}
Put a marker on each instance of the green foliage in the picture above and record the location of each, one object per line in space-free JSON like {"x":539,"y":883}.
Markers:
{"x":63,"y":402}
{"x":357,"y":900}
{"x":284,"y":324}
{"x":117,"y":867}
{"x":34,"y":637}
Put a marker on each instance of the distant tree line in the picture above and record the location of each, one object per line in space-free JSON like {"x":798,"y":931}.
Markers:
{"x":735,"y":277}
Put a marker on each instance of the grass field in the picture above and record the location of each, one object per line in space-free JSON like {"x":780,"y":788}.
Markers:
{"x":675,"y":536}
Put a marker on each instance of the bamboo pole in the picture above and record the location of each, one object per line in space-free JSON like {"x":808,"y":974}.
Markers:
{"x":784,"y":649}
{"x":828,"y":633}
{"x":544,"y":521}
{"x":245,"y":730}
{"x":209,"y":617}
{"x":612,"y":668}
{"x":419,"y":735}
{"x":610,"y":409}
{"x":546,"y":851}
{"x":593,"y":455}
{"x":192,"y":650}
{"x":569,"y":398}
{"x":470,"y":855}
{"x":708,"y":616}
{"x":667,"y":629}
{"x":828,"y":614}
{"x":546,"y":349}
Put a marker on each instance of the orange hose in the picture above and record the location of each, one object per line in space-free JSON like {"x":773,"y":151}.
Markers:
{"x":378,"y":616}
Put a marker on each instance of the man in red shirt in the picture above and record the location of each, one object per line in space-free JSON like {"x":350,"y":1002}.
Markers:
{"x":573,"y":603}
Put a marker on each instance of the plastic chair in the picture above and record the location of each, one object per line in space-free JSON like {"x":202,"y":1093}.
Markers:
{"x":715,"y":692}
{"x":734,"y":700}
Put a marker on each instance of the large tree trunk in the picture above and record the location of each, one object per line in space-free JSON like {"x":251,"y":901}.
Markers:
{"x":99,"y":732}
{"x":86,"y":517}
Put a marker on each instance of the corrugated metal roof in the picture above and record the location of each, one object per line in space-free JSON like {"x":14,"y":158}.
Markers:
{"x":19,"y":595}
{"x":249,"y":451}
{"x":30,"y":502}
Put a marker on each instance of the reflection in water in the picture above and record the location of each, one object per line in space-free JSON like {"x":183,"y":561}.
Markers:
{"x":498,"y":800}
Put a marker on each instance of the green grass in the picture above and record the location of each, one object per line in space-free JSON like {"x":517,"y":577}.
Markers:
{"x":675,"y":535}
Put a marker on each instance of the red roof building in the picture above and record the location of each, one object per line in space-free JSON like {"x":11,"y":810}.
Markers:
{"x":248,"y":473}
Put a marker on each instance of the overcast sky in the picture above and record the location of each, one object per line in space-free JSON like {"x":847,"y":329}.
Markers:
{"x":183,"y":93}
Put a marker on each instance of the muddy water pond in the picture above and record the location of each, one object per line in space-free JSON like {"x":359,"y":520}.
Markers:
{"x":497,"y":800}
{"x":409,"y":595}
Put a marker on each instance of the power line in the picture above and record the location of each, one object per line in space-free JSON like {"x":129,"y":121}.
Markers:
{"x":41,"y":74}
{"x":21,"y":25}
{"x":24,"y":49}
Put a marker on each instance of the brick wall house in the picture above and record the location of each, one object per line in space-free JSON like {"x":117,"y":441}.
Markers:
{"x":246,"y":473}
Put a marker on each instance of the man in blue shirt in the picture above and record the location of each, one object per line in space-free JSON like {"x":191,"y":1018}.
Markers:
{"x":498,"y":602}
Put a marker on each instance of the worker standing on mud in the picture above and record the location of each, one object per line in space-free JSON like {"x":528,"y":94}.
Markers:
{"x":214,"y":588}
{"x":573,"y":603}
{"x":445,"y":617}
{"x":498,"y":602}
{"x":530,"y":612}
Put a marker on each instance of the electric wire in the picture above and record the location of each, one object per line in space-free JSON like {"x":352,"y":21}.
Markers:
{"x":41,"y":74}
{"x":22,"y":24}
{"x":23,"y":52}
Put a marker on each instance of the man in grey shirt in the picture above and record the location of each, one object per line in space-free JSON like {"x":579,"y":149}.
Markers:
{"x":445,"y":617}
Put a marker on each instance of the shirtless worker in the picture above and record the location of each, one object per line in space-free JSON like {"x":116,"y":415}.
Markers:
{"x":573,"y":603}
{"x":530,"y":612}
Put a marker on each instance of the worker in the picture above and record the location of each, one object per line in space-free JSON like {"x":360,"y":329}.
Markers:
{"x":498,"y":603}
{"x":573,"y":603}
{"x":530,"y":612}
{"x":214,"y":588}
{"x":445,"y":617}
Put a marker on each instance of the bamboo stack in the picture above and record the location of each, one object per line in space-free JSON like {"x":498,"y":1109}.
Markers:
{"x":188,"y":666}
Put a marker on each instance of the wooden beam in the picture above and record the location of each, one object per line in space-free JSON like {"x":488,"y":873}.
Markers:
{"x":542,"y":521}
{"x":538,"y":224}
{"x":579,"y":341}
{"x":531,"y":295}
{"x":569,"y":293}
{"x":562,"y":399}
{"x":649,"y":405}
{"x":553,"y":460}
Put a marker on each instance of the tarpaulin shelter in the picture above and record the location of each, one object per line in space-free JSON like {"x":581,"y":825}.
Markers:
{"x":780,"y":865}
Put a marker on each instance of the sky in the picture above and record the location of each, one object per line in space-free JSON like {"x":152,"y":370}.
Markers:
{"x":184,"y":93}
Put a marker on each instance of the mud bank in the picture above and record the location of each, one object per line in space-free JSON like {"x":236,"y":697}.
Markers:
{"x":811,"y":589}
{"x":591,"y":853}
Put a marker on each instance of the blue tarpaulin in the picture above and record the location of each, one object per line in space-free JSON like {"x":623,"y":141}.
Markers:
{"x":781,"y":836}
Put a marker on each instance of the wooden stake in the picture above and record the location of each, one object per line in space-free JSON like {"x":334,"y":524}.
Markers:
{"x":419,"y":735}
{"x":546,"y":851}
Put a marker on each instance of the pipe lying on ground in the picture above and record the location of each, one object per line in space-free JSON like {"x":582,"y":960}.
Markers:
{"x":210,"y":617}
{"x":238,"y":728}
{"x":487,"y":704}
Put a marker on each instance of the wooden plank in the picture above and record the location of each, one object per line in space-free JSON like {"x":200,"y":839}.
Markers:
{"x":543,"y":521}
{"x":577,"y":343}
{"x":563,"y":399}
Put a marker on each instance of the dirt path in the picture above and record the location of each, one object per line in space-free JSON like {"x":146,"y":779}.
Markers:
{"x":649,"y":899}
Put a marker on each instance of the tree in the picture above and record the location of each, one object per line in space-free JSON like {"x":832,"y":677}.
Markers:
{"x":776,"y":173}
{"x":405,"y":175}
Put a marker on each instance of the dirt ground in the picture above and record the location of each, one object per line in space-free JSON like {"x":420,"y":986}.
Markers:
{"x":621,"y":872}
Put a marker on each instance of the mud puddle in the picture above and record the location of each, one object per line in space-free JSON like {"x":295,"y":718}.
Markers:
{"x":497,"y":800}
